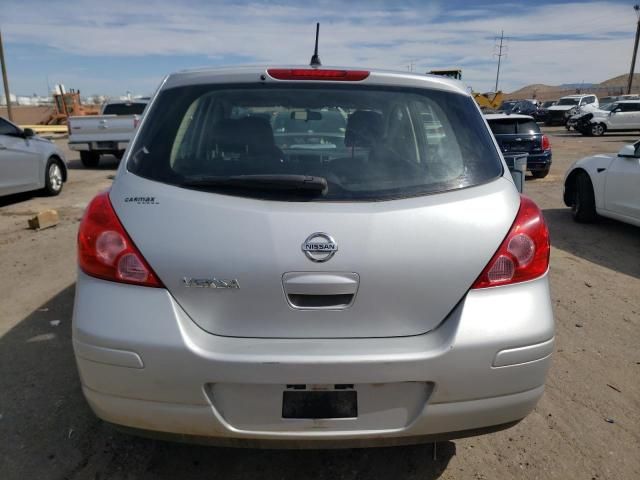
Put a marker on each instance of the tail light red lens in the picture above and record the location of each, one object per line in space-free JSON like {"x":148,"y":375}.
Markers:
{"x":524,"y":253}
{"x":106,"y":251}
{"x":546,"y":144}
{"x":317,"y":74}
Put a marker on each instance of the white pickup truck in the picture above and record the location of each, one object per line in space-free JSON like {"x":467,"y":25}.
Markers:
{"x":107,"y":133}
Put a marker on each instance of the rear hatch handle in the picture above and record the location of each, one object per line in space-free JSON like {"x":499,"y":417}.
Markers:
{"x":320,"y":290}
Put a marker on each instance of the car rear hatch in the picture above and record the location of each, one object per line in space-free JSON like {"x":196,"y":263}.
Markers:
{"x":400,"y":268}
{"x":517,"y":135}
{"x":292,"y":256}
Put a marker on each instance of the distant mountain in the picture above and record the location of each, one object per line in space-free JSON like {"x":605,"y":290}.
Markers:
{"x":578,"y":85}
{"x":613,"y":86}
{"x":621,"y":80}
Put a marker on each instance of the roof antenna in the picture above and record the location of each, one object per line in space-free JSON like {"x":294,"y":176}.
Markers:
{"x":315,"y":59}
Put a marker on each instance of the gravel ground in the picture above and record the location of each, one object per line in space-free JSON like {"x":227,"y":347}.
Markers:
{"x":587,"y":425}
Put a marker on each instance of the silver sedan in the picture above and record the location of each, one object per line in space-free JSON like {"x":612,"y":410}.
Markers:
{"x":29,"y":162}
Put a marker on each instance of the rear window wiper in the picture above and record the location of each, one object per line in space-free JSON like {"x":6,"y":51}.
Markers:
{"x":272,"y":183}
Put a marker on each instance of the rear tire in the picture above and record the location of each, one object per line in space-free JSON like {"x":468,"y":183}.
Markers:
{"x":541,"y":173}
{"x":118,"y":154}
{"x":53,"y":177}
{"x":90,"y":159}
{"x":583,"y":205}
{"x":598,"y":129}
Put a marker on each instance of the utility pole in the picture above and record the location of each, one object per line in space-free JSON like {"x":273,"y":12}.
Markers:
{"x":5,"y":80}
{"x":635,"y":50}
{"x":499,"y":55}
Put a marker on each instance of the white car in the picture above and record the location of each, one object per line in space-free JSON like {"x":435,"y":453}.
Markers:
{"x":29,"y":162}
{"x":559,"y":113}
{"x":605,"y":185}
{"x":618,"y":116}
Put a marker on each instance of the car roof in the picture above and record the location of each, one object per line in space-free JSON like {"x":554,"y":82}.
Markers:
{"x":579,"y":95}
{"x":505,"y":116}
{"x":126,"y":102}
{"x":254,"y":73}
{"x":628,"y":101}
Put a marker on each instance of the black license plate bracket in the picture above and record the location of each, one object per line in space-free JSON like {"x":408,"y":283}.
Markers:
{"x":322,"y":404}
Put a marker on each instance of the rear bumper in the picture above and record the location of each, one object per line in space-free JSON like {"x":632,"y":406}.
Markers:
{"x":144,"y":364}
{"x":93,"y":146}
{"x":539,"y":162}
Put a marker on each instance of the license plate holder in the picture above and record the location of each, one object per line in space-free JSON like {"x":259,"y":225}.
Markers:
{"x":314,"y":405}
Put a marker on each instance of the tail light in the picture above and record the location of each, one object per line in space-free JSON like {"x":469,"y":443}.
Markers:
{"x":524,"y":253}
{"x":317,"y":74}
{"x":105,"y":249}
{"x":546,"y":144}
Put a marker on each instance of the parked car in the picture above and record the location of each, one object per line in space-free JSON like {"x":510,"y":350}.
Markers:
{"x":619,"y":116}
{"x":605,"y":185}
{"x":392,"y":290}
{"x":517,"y":134}
{"x":523,"y":107}
{"x":543,"y":110}
{"x":604,"y":101}
{"x":559,"y":113}
{"x":107,"y":133}
{"x":29,"y":162}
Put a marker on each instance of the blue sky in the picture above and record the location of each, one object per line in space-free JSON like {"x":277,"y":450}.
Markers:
{"x":110,"y":47}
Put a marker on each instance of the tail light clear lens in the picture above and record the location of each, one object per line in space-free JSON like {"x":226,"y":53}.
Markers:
{"x":105,"y":249}
{"x":546,"y":143}
{"x":524,"y":253}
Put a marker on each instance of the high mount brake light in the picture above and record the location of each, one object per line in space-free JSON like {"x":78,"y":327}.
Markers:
{"x":106,"y":251}
{"x":523,"y":254}
{"x":317,"y":74}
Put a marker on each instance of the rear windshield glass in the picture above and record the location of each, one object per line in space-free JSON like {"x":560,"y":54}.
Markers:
{"x":124,"y":109}
{"x":508,"y":105}
{"x":512,"y":126}
{"x":367,"y":143}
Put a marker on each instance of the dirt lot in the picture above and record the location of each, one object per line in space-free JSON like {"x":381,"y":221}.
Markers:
{"x":47,"y":430}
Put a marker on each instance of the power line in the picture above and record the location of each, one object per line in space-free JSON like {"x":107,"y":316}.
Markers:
{"x":635,"y":50}
{"x":5,"y":81}
{"x":502,"y":52}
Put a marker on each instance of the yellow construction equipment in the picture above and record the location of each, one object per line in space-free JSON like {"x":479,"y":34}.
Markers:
{"x":489,"y":100}
{"x":68,"y":104}
{"x":455,"y":73}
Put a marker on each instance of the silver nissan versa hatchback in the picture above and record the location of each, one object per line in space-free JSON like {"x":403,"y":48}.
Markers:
{"x":312,"y":257}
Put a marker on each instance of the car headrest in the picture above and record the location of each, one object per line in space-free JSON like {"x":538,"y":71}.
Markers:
{"x":252,"y":133}
{"x":364,"y":128}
